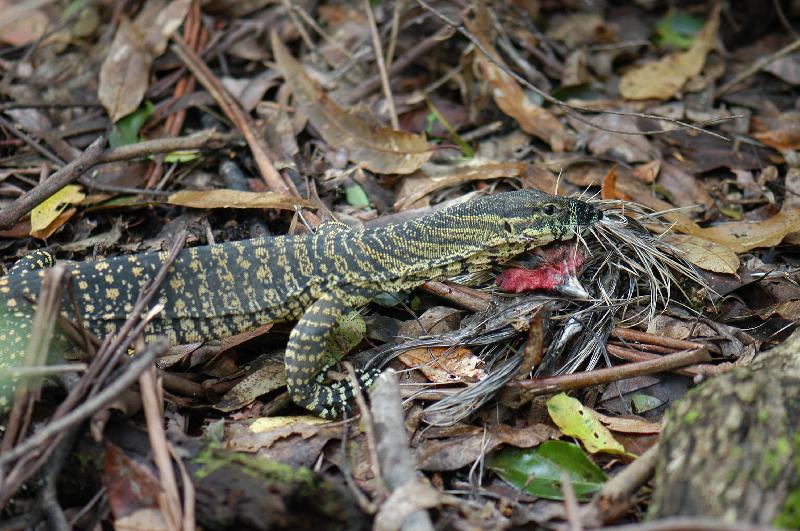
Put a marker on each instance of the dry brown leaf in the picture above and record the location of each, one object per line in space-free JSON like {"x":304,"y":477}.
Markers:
{"x":444,"y":364}
{"x":741,"y":236}
{"x":23,"y":29}
{"x":784,"y":309}
{"x":648,"y":172}
{"x":378,"y":149}
{"x":627,"y":425}
{"x":627,"y":188}
{"x":126,"y":68}
{"x":664,"y":78}
{"x":512,"y":100}
{"x":705,"y":254}
{"x":779,"y":130}
{"x":236,"y":199}
{"x":628,"y":148}
{"x":427,"y":184}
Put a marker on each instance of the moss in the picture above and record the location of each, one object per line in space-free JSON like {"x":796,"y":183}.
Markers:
{"x":789,"y":517}
{"x":213,"y":458}
{"x":691,"y":416}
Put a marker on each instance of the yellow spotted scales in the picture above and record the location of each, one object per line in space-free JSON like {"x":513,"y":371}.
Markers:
{"x":216,"y":291}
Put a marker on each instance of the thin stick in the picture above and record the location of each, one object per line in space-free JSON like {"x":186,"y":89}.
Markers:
{"x":88,"y":408}
{"x":208,"y":139}
{"x":403,"y":62}
{"x":154,"y":418}
{"x":261,"y":153}
{"x":376,"y":44}
{"x":571,"y":110}
{"x":67,"y":174}
{"x":757,"y":66}
{"x":555,"y":384}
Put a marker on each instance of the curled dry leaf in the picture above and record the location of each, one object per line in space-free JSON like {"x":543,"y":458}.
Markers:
{"x":512,"y":100}
{"x":705,"y":254}
{"x":664,"y":78}
{"x":378,"y":149}
{"x":236,"y":199}
{"x":126,"y":68}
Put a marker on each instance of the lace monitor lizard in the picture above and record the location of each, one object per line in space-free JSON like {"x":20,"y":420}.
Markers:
{"x":220,"y":290}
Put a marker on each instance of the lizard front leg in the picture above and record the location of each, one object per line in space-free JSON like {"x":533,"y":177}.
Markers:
{"x":305,"y":358}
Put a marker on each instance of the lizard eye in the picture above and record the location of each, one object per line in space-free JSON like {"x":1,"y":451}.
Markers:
{"x":507,"y":226}
{"x":549,"y":209}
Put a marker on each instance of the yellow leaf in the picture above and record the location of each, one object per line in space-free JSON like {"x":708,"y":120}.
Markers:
{"x":236,"y":199}
{"x":705,"y":254}
{"x":664,"y":78}
{"x":48,"y":210}
{"x":575,"y":420}
{"x":379,"y":149}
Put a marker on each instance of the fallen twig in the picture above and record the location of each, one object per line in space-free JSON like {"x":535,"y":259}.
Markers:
{"x":67,"y":174}
{"x":261,"y":153}
{"x":555,"y":384}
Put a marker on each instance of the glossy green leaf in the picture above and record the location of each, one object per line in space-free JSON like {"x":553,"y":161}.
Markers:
{"x":538,"y":470}
{"x":678,"y":29}
{"x":356,"y":196}
{"x":126,"y":130}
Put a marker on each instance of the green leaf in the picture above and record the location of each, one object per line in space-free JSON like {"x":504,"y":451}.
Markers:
{"x":183,"y":155}
{"x":466,"y":149}
{"x":643,"y":403}
{"x":538,"y":471}
{"x":678,"y":29}
{"x":575,"y":420}
{"x":356,"y":196}
{"x":126,"y":130}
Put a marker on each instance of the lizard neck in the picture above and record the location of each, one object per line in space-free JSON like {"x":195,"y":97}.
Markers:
{"x":442,"y":244}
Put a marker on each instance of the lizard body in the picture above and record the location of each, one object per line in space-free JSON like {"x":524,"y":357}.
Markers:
{"x":216,"y":291}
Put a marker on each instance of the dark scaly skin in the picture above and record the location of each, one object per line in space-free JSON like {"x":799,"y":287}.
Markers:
{"x":216,"y":291}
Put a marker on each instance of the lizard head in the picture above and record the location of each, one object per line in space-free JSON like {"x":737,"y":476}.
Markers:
{"x":530,"y":215}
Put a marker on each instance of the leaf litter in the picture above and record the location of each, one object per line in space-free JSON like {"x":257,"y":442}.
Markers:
{"x":698,"y":241}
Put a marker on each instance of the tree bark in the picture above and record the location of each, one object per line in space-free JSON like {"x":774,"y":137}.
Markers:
{"x":731,"y":448}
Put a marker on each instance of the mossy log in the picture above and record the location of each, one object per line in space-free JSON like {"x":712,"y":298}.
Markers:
{"x":730,"y":449}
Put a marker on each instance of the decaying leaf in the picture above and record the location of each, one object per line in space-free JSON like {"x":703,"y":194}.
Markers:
{"x":48,"y":210}
{"x":378,"y":149}
{"x":21,"y":23}
{"x":444,"y":364}
{"x":126,"y":69}
{"x":225,"y":198}
{"x":512,"y":100}
{"x":779,"y":130}
{"x":578,"y":421}
{"x":705,"y":254}
{"x":742,"y":236}
{"x":627,"y":148}
{"x":664,"y":78}
{"x":267,"y":374}
{"x":627,"y":188}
